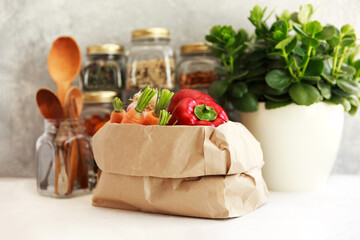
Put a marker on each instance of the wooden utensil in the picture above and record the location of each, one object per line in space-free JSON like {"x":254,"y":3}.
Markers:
{"x":61,"y":176}
{"x":62,"y":180}
{"x":74,"y":102}
{"x":78,"y":168}
{"x":49,"y":104}
{"x":50,"y":108}
{"x":64,"y":64}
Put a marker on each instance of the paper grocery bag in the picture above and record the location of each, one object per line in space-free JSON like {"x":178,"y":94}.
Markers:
{"x":198,"y":171}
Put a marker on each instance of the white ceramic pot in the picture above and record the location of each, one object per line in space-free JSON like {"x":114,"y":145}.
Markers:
{"x":300,"y":143}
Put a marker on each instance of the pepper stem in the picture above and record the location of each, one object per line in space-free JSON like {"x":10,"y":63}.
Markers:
{"x":204,"y":112}
{"x":164,"y":118}
{"x":117,"y":104}
{"x":144,"y":99}
{"x":164,"y":97}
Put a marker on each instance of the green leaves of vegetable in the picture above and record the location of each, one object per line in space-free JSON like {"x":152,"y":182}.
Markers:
{"x":278,"y":79}
{"x":304,"y":94}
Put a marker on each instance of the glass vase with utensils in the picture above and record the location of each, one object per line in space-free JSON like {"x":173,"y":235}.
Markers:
{"x":63,"y":152}
{"x":64,"y":159}
{"x":64,"y":155}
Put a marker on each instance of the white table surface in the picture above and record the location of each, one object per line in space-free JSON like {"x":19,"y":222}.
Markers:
{"x":330,"y":213}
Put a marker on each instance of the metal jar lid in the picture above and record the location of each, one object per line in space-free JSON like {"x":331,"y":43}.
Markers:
{"x":195,"y":47}
{"x":99,"y":96}
{"x":151,"y":32}
{"x":107,"y":48}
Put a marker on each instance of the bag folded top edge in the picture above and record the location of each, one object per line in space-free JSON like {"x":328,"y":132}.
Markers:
{"x":176,"y":151}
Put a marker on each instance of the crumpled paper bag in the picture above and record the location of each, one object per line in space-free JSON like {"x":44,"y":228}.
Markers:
{"x":198,"y":171}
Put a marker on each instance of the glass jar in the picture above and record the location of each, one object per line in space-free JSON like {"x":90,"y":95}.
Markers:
{"x":196,"y":68}
{"x":96,"y":112}
{"x":64,"y":159}
{"x":151,"y":60}
{"x":97,"y":109}
{"x":104,"y":68}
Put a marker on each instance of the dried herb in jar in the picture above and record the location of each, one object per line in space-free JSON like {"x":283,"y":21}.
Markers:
{"x":104,"y":69}
{"x":100,"y":75}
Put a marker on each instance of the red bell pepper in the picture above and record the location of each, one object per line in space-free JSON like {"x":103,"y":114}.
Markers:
{"x":198,"y":112}
{"x":187,"y":93}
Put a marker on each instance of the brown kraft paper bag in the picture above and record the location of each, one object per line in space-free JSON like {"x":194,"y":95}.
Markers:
{"x":198,"y":171}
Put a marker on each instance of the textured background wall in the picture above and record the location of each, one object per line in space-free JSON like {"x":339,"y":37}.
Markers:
{"x":27,"y":29}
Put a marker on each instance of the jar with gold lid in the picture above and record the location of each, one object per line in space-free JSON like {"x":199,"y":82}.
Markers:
{"x":104,"y":69}
{"x":151,"y":60}
{"x":96,"y":112}
{"x":97,"y":109}
{"x":196,"y":68}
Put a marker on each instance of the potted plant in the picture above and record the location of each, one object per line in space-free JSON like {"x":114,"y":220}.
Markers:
{"x":292,"y":82}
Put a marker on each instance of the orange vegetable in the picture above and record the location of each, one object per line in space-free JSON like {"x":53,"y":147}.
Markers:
{"x":136,"y":116}
{"x":162,"y":101}
{"x":117,"y":117}
{"x":150,"y":119}
{"x":118,"y":114}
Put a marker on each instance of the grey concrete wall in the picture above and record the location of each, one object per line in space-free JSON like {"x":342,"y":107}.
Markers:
{"x":27,"y":29}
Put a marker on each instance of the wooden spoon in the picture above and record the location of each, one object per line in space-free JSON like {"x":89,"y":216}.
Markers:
{"x":61,"y":176}
{"x":49,"y":104}
{"x":78,"y":168}
{"x":64,"y":64}
{"x":74,"y":102}
{"x":50,"y":107}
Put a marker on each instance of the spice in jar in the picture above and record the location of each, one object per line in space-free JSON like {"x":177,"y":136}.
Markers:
{"x":197,"y":79}
{"x":151,"y":60}
{"x":97,"y":110}
{"x":196,"y":67}
{"x":94,"y":123}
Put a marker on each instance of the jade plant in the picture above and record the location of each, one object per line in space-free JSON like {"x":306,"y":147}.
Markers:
{"x":292,"y":60}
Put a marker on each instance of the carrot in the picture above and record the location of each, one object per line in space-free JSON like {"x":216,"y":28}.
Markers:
{"x":164,"y":118}
{"x":150,"y":119}
{"x":136,"y":115}
{"x":118,"y":114}
{"x":162,"y":101}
